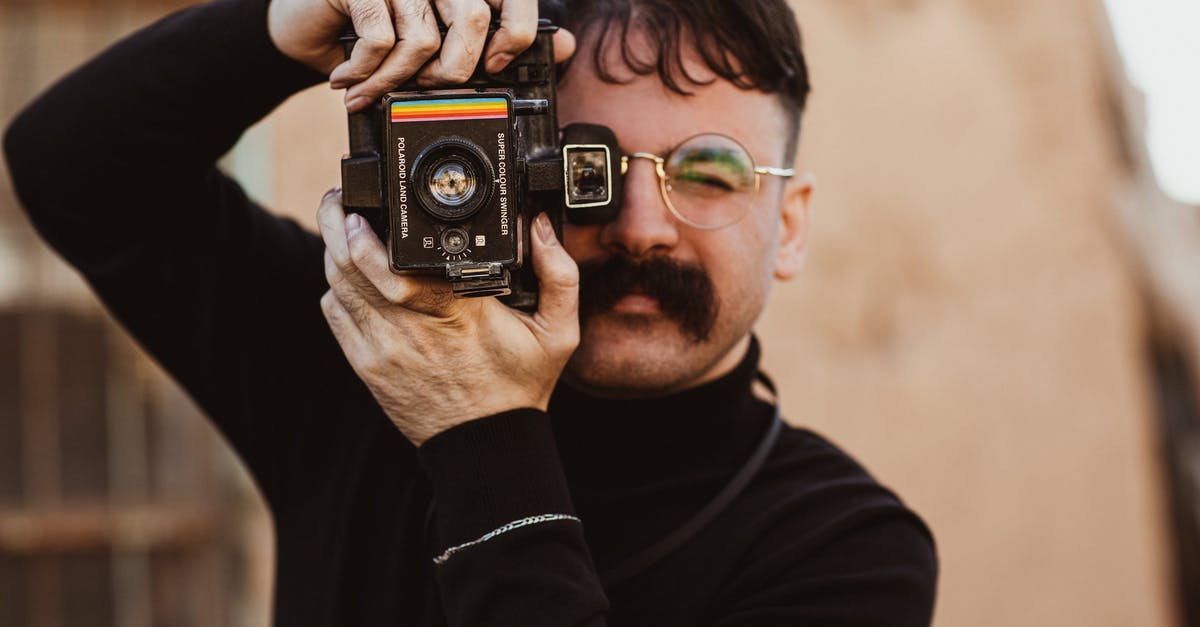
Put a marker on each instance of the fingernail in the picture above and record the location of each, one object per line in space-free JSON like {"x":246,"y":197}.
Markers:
{"x":332,"y":192}
{"x":338,"y":84}
{"x":354,"y":224}
{"x":544,"y":230}
{"x":499,"y":61}
{"x":357,"y":103}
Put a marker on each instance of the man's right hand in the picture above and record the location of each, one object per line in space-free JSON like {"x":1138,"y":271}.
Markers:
{"x":399,"y":39}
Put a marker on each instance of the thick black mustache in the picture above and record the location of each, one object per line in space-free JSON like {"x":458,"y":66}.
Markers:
{"x":684,"y":292}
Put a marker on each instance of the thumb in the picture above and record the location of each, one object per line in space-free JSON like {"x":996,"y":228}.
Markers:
{"x":564,"y":45}
{"x":557,"y":274}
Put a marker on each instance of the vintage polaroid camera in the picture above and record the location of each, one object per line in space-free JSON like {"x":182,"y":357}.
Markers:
{"x":451,"y":179}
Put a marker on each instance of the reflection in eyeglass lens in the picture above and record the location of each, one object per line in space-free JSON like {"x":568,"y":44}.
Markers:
{"x":710,"y":179}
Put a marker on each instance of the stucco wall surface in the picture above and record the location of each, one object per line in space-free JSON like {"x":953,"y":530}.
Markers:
{"x":968,"y":322}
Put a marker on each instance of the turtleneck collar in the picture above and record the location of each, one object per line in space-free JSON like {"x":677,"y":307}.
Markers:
{"x":612,"y":444}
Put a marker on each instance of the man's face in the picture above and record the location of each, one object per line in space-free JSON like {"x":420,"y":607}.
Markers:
{"x":641,"y":344}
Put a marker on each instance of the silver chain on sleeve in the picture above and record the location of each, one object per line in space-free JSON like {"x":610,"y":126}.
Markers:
{"x":516,"y":524}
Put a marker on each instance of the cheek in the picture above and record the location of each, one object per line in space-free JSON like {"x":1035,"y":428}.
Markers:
{"x":581,"y":242}
{"x":742,"y":266}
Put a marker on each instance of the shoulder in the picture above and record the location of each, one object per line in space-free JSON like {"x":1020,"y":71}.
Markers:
{"x":821,"y":494}
{"x":829,"y":540}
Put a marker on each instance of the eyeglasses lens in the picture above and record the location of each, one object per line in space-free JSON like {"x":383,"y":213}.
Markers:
{"x":710,"y":181}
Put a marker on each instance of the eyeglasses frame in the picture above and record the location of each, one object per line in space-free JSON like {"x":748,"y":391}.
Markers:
{"x":664,"y":188}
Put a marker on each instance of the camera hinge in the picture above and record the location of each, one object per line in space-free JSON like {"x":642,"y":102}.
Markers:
{"x":472,"y":280}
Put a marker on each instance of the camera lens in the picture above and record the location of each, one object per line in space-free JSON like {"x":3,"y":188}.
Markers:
{"x":454,"y":179}
{"x":590,"y":182}
{"x":452,"y":183}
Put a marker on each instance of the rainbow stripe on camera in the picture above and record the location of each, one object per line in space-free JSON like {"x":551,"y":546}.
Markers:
{"x":449,"y":109}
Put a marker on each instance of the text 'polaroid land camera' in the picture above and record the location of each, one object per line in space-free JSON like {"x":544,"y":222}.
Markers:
{"x":451,"y":179}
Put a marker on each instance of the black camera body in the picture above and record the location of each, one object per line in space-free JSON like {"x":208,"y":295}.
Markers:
{"x":451,"y":179}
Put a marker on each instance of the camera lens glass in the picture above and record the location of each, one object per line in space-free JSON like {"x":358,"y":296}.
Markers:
{"x":454,"y":179}
{"x":452,"y":183}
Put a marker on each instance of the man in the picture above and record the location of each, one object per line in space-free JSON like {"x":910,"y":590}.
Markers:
{"x":424,"y":462}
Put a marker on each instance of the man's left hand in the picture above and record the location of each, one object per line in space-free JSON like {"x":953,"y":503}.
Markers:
{"x":434,"y":361}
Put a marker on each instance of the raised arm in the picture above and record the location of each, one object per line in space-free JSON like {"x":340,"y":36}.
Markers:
{"x":115,"y":165}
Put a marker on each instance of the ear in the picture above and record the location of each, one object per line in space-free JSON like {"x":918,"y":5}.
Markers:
{"x":793,"y":231}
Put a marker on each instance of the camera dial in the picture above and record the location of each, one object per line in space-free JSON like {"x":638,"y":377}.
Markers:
{"x":454,"y":241}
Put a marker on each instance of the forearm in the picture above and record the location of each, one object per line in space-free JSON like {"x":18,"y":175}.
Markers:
{"x":487,"y":474}
{"x":107,"y":150}
{"x":115,"y":165}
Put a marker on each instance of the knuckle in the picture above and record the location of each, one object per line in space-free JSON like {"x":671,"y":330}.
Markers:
{"x":393,"y":75}
{"x":374,"y":365}
{"x":360,"y":251}
{"x":521,"y":36}
{"x":457,"y":73}
{"x":562,"y":277}
{"x":423,"y":43}
{"x":329,"y":304}
{"x":376,"y":43}
{"x":478,"y":17}
{"x":371,"y":16}
{"x":567,"y":280}
{"x":340,"y":264}
{"x":401,"y":291}
{"x":375,"y":85}
{"x":357,"y":309}
{"x":356,"y":74}
{"x":414,"y":13}
{"x":393,"y":292}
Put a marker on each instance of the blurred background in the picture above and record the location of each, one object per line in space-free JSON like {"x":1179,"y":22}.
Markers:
{"x":1000,"y":316}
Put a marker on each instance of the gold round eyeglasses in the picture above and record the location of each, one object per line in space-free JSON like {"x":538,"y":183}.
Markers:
{"x":708,"y":181}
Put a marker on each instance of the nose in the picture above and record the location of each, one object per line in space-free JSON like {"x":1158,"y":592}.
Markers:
{"x":644,"y":224}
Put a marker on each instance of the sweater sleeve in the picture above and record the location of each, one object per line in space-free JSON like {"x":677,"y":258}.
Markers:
{"x":115,"y":165}
{"x":514,"y":552}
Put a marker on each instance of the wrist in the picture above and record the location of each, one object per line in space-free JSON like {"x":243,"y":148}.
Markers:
{"x":422,"y":430}
{"x":494,"y":470}
{"x":306,"y":32}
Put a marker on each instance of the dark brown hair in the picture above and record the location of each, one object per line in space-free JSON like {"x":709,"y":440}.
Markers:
{"x":754,"y":44}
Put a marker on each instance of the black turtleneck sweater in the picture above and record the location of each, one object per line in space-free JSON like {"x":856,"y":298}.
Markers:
{"x":115,"y":165}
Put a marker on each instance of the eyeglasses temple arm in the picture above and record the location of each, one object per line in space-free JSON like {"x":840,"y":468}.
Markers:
{"x":782,"y":172}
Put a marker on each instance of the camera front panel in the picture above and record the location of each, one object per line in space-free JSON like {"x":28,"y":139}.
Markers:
{"x":451,"y":179}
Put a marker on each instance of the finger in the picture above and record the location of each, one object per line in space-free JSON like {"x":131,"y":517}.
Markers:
{"x":359,"y":306}
{"x":558,"y":279}
{"x":345,"y":330}
{"x":371,"y":259}
{"x":373,"y":24}
{"x":564,"y":45}
{"x":417,"y":39}
{"x":518,"y":28}
{"x":423,"y":294}
{"x":467,"y":22}
{"x":430,"y":296}
{"x":331,"y":221}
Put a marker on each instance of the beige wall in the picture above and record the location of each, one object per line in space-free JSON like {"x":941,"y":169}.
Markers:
{"x":967,"y":323}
